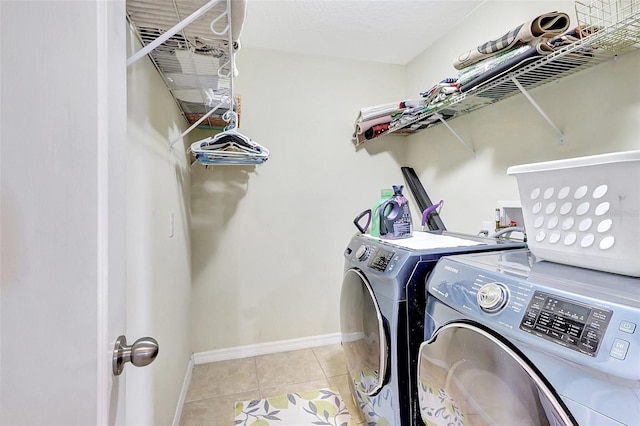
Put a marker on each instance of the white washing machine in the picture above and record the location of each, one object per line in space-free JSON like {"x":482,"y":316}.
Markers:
{"x":510,"y":340}
{"x":382,"y":316}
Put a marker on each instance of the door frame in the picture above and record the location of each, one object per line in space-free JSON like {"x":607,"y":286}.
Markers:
{"x":111,"y":136}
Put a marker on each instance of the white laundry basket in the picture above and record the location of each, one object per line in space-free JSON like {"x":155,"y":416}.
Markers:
{"x":584,"y":211}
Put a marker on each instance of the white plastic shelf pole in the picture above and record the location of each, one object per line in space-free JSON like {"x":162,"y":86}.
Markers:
{"x":537,"y":107}
{"x":194,"y":125}
{"x":170,"y":33}
{"x":455,"y":134}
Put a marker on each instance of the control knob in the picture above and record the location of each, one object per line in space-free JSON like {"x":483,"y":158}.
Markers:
{"x":363,"y":252}
{"x":492,"y":297}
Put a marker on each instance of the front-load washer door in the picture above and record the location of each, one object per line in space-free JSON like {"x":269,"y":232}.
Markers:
{"x":469,"y":375}
{"x":364,"y":339}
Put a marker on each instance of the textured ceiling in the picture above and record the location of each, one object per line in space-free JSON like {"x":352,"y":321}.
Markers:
{"x":389,"y":31}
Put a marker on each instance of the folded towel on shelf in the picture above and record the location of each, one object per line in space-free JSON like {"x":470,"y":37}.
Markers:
{"x":377,"y":111}
{"x":440,"y":91}
{"x":375,"y":120}
{"x":403,"y":117}
{"x":547,"y":25}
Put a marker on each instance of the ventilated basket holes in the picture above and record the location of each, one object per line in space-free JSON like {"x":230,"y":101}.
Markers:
{"x":553,"y":222}
{"x":551,"y":207}
{"x":563,"y":193}
{"x":536,"y":207}
{"x":570,"y":239}
{"x":600,"y":191}
{"x":605,"y":225}
{"x":538,"y":222}
{"x":535,"y":193}
{"x":585,"y":224}
{"x":566,"y":208}
{"x":587,"y":240}
{"x":583,"y":208}
{"x":607,"y":242}
{"x":602,"y":208}
{"x":580,"y":192}
{"x":540,"y":236}
{"x":554,"y":237}
{"x":567,"y":224}
{"x":548,"y":193}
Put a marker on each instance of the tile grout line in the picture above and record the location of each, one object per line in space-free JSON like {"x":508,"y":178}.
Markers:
{"x":324,"y":373}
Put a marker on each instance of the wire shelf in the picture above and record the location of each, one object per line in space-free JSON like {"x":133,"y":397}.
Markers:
{"x":618,"y":31}
{"x":619,"y":16}
{"x":195,"y":63}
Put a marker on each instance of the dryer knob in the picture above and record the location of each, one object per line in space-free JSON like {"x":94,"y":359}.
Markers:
{"x":363,"y":252}
{"x":492,"y":297}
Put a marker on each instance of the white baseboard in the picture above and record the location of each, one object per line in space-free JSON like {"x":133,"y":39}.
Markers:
{"x":183,"y":393}
{"x":265,"y":348}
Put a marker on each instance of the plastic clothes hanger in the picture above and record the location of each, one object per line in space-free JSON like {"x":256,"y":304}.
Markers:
{"x":229,"y":146}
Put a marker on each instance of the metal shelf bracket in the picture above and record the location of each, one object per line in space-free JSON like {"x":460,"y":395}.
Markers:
{"x":442,"y":120}
{"x":538,"y":108}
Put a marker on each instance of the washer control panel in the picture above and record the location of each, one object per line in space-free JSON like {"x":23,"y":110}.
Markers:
{"x":575,"y":325}
{"x":492,"y":297}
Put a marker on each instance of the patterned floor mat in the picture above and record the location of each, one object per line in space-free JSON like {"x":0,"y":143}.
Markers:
{"x":314,"y":407}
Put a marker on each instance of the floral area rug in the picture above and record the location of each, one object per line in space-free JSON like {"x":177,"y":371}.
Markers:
{"x":314,"y":407}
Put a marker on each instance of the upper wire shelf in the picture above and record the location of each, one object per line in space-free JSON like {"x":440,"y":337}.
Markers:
{"x":196,"y":62}
{"x":618,"y":31}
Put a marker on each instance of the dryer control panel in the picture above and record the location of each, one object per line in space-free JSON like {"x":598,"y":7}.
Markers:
{"x":575,"y":325}
{"x":377,"y":258}
{"x":381,"y":259}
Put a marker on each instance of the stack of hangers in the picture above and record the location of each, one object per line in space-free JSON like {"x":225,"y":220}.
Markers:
{"x":229,"y":146}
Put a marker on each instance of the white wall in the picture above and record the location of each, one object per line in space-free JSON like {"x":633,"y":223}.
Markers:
{"x":268,"y":240}
{"x":159,"y":267}
{"x":598,"y":111}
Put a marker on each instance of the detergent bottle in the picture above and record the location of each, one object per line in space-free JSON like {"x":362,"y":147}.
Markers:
{"x":385,"y":195}
{"x":395,"y":216}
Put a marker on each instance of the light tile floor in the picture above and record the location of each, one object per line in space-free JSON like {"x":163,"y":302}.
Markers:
{"x":215,"y":387}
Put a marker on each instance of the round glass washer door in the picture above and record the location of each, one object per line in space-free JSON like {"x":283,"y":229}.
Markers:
{"x":364,"y":339}
{"x":469,"y":375}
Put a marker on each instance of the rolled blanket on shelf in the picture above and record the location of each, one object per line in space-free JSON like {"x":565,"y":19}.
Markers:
{"x":548,"y":25}
{"x":524,"y":55}
{"x":363,"y":126}
{"x":473,"y":71}
{"x":376,"y":131}
{"x":529,"y":55}
{"x":572,"y":36}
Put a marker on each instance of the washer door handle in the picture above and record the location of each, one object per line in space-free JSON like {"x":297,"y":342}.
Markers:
{"x":141,"y":353}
